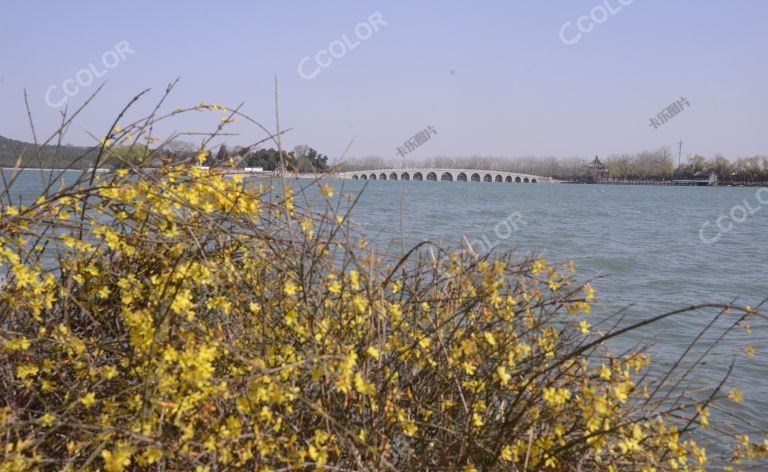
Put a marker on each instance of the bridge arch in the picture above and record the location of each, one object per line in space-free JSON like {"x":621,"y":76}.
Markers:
{"x":445,"y":174}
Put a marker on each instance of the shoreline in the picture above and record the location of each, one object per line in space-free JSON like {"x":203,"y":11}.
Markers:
{"x":660,"y":183}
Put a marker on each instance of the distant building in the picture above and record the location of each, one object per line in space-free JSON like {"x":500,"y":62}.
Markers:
{"x":705,"y":177}
{"x":597,"y":171}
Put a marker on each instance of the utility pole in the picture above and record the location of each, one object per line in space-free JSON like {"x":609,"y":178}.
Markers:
{"x":679,"y":152}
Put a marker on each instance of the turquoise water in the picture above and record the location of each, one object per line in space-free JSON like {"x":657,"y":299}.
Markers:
{"x":645,"y":243}
{"x":651,"y":248}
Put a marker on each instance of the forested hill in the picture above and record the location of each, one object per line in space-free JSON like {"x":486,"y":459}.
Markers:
{"x":50,"y":156}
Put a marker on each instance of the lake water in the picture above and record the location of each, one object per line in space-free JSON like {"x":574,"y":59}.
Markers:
{"x":652,"y":246}
{"x":655,"y":248}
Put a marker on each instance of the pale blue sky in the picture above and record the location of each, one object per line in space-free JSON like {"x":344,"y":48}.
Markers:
{"x":492,"y":77}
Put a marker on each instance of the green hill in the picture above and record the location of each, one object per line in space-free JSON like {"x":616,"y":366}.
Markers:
{"x":50,"y":156}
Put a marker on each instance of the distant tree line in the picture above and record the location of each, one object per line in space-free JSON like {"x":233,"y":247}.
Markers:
{"x":744,"y":169}
{"x":49,"y":156}
{"x":647,"y":165}
{"x":301,"y":159}
{"x":660,"y":165}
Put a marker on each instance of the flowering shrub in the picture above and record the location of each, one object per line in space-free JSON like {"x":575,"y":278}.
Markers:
{"x":184,"y":319}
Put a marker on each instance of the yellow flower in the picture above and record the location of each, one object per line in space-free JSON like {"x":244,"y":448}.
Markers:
{"x":409,"y":428}
{"x":620,"y":392}
{"x":334,"y":287}
{"x":503,"y":374}
{"x":354,"y":279}
{"x":703,"y":416}
{"x":110,"y":372}
{"x":117,"y":459}
{"x":47,"y":419}
{"x":556,"y":396}
{"x":373,"y":352}
{"x":584,"y":327}
{"x":327,"y":190}
{"x":750,"y":350}
{"x":17,"y":344}
{"x":88,"y":400}
{"x":363,"y":386}
{"x":24,"y":371}
{"x":152,"y":455}
{"x":290,"y":288}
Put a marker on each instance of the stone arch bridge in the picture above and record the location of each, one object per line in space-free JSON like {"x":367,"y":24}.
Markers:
{"x":449,"y":175}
